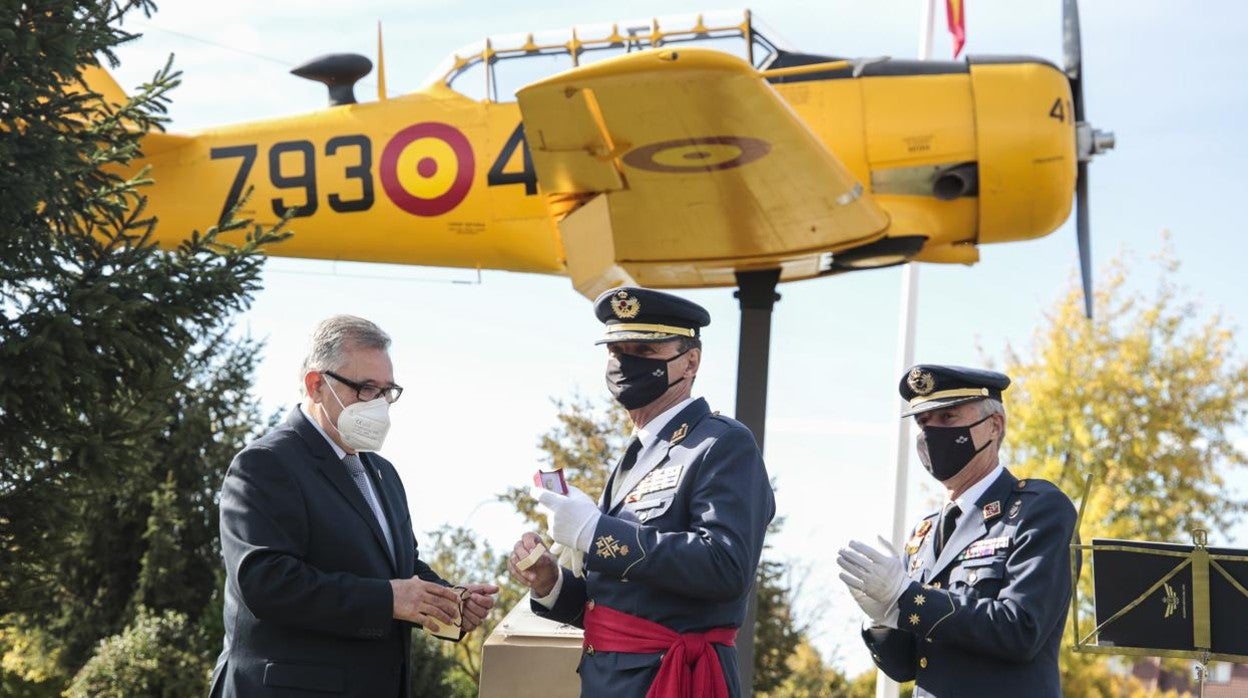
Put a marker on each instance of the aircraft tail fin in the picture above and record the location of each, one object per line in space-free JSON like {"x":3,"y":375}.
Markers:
{"x":99,"y":80}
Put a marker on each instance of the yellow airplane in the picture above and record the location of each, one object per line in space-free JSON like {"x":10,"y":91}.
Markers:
{"x":667,"y":153}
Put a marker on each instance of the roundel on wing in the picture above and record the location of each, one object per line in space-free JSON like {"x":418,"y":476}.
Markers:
{"x":427,"y":168}
{"x":697,"y":154}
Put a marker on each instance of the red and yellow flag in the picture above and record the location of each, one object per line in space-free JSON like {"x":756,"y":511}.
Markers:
{"x":955,"y":11}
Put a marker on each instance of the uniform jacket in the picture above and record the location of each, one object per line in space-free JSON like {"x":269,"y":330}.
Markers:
{"x":680,"y":549}
{"x":308,"y":605}
{"x":985,"y":617}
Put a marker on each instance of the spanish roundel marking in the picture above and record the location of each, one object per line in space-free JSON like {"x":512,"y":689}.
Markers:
{"x":697,"y":154}
{"x":427,"y":168}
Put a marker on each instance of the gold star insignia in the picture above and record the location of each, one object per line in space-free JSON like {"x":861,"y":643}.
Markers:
{"x":919,"y":599}
{"x":914,"y":619}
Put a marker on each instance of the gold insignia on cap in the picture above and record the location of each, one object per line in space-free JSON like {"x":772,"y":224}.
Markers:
{"x":609,"y":547}
{"x":680,"y":434}
{"x":914,"y":619}
{"x":919,"y":599}
{"x":625,"y":306}
{"x":992,"y":509}
{"x":921,"y":382}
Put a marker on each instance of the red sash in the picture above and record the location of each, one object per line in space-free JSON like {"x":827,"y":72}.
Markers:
{"x":690,"y":666}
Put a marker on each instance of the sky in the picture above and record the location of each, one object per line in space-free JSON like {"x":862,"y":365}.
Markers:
{"x":484,"y":357}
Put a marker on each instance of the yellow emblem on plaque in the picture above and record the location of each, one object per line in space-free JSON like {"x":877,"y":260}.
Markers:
{"x":921,"y":382}
{"x":625,"y":306}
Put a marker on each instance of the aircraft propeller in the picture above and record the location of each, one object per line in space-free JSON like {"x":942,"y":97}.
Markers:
{"x":1089,"y":141}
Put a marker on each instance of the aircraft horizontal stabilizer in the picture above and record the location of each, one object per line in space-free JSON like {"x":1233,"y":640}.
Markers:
{"x":704,"y":169}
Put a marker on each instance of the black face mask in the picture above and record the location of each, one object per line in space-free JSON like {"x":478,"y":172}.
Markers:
{"x":949,"y":449}
{"x":637,"y":381}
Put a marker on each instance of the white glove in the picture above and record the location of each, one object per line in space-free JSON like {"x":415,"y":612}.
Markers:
{"x":571,"y":518}
{"x":570,"y":558}
{"x":876,"y":573}
{"x":880,"y":615}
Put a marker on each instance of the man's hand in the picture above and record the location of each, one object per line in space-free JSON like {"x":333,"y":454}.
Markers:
{"x":571,"y":518}
{"x":880,"y":615}
{"x":878,"y":574}
{"x":542,"y":575}
{"x":428,"y":604}
{"x":477,"y":605}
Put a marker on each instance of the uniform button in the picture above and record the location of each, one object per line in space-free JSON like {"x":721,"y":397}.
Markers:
{"x":590,"y":605}
{"x":589,"y":650}
{"x":922,"y":662}
{"x":935,"y":585}
{"x":972,"y":576}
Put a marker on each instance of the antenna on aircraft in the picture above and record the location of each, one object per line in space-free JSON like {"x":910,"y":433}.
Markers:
{"x":381,"y":67}
{"x":339,"y":72}
{"x":1089,"y":141}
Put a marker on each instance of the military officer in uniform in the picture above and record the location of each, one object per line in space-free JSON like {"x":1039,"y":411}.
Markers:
{"x":671,"y":550}
{"x":976,"y":603}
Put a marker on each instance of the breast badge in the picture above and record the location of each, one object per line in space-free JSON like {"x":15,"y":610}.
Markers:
{"x":916,"y":540}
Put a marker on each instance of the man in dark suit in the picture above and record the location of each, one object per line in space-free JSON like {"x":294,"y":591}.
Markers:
{"x":323,"y":579}
{"x":670,"y":553}
{"x":976,"y":604}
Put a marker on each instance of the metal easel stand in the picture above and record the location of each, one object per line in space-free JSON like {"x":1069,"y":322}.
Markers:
{"x":1201,"y":563}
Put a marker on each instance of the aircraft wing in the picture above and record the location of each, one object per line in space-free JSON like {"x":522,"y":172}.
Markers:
{"x":678,"y":167}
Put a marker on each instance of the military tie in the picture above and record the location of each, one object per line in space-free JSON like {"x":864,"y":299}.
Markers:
{"x":948,"y":522}
{"x":621,"y":470}
{"x":630,"y":455}
{"x":356,"y":467}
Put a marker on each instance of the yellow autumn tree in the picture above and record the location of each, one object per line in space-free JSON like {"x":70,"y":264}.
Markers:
{"x":1147,"y":398}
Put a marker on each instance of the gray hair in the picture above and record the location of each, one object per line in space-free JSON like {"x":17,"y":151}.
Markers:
{"x":335,"y":336}
{"x":687,"y":343}
{"x":988,"y":407}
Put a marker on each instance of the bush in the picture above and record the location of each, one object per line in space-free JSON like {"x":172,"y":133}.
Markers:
{"x":156,"y":656}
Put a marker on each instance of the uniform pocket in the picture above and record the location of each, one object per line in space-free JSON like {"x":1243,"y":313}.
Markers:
{"x":306,"y":677}
{"x":651,"y":508}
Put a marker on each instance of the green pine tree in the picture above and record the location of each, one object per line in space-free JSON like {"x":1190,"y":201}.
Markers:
{"x":123,"y":393}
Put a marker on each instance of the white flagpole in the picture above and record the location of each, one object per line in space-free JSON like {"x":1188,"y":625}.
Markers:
{"x":884,"y":686}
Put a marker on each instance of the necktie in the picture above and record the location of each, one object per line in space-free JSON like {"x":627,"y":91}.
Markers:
{"x":948,"y":521}
{"x":630,"y":455}
{"x":621,"y":470}
{"x":356,"y":467}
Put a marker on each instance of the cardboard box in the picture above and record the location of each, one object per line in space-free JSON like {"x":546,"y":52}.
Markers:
{"x":531,"y":657}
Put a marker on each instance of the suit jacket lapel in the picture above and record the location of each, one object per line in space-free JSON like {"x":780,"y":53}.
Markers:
{"x":676,"y":429}
{"x":334,"y":470}
{"x":395,"y":508}
{"x":970,"y":531}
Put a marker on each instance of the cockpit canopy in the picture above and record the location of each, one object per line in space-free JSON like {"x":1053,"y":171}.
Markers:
{"x":494,"y":69}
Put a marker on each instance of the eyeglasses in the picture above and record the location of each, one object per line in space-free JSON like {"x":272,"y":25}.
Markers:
{"x":366,"y":392}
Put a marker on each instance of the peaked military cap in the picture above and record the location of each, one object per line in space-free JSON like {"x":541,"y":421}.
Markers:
{"x":633,"y":314}
{"x":929,"y":387}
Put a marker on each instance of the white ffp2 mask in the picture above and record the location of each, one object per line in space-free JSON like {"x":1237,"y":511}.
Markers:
{"x":363,"y":425}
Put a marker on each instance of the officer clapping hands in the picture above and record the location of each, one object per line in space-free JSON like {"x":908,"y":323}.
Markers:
{"x":875,"y":579}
